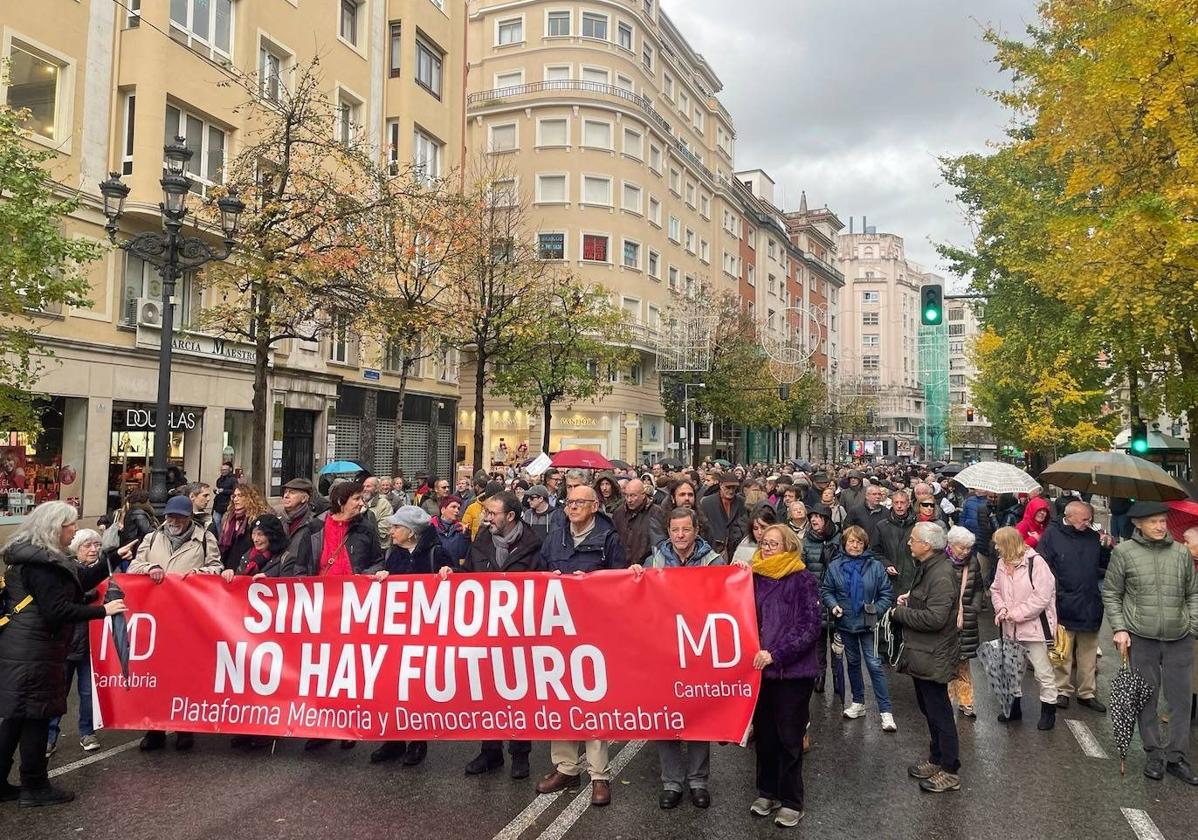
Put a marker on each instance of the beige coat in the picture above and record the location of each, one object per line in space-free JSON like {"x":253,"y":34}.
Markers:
{"x":201,"y":553}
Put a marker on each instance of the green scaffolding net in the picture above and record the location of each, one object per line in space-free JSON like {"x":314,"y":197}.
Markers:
{"x":933,"y":378}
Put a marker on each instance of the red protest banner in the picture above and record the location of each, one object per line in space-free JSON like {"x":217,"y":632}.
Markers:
{"x":531,"y":656}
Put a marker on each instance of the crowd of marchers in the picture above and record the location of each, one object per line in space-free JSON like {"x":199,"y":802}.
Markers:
{"x":844,"y":562}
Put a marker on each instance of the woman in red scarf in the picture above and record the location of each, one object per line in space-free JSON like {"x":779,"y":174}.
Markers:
{"x":245,"y":506}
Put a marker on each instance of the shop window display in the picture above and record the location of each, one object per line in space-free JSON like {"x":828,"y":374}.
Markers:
{"x":34,"y":467}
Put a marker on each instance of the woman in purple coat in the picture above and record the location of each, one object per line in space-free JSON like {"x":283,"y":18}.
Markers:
{"x":788,"y":612}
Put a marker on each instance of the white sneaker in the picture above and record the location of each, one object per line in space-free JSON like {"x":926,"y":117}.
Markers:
{"x":90,"y":743}
{"x":854,"y":710}
{"x":788,"y":817}
{"x":763,"y":807}
{"x":888,"y":724}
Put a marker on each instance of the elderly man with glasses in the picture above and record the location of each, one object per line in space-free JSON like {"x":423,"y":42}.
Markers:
{"x":587,"y":543}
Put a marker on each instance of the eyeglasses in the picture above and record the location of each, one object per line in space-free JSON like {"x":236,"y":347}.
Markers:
{"x":575,"y":503}
{"x":927,"y":504}
{"x":770,"y":544}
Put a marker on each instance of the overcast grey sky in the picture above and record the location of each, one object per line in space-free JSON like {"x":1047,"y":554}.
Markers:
{"x":854,"y":100}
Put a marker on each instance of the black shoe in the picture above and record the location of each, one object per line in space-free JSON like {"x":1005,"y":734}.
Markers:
{"x":389,"y":751}
{"x":1048,"y":716}
{"x":152,"y":741}
{"x":484,"y":762}
{"x":348,"y":745}
{"x":1155,"y":769}
{"x":520,"y":768}
{"x":184,"y":741}
{"x":819,"y":684}
{"x":1015,"y":714}
{"x":1092,"y":703}
{"x":1063,"y":701}
{"x":313,"y":744}
{"x":700,"y":798}
{"x":1182,"y":770}
{"x":49,"y":795}
{"x":415,"y":753}
{"x":9,"y":793}
{"x":667,"y":800}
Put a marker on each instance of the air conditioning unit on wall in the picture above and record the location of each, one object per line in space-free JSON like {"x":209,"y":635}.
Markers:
{"x":149,"y":313}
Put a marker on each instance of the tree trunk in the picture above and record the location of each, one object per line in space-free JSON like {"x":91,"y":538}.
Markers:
{"x":403,"y":391}
{"x":546,"y":418}
{"x":480,"y":381}
{"x":260,"y":403}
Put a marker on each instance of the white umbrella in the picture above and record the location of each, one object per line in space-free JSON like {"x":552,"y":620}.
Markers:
{"x":996,"y":477}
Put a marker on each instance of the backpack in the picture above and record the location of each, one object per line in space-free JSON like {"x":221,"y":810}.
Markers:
{"x":9,"y":612}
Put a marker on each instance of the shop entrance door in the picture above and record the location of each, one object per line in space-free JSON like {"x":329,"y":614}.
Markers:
{"x":299,"y":429}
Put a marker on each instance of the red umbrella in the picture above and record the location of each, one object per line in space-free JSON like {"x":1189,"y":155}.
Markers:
{"x":580,"y":459}
{"x":1183,"y":516}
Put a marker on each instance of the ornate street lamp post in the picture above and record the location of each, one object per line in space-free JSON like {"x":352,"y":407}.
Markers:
{"x":173,"y":254}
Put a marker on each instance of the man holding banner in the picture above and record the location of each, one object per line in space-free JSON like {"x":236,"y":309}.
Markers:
{"x":588,"y":542}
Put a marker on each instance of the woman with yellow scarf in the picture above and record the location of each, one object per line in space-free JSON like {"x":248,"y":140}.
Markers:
{"x":788,"y":612}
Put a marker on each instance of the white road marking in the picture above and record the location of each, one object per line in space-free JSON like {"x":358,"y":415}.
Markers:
{"x":1085,"y":738}
{"x":92,"y":759}
{"x":527,"y":817}
{"x":1142,"y":824}
{"x":566,"y":819}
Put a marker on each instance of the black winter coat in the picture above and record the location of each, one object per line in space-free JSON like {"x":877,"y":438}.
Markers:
{"x":362,"y":544}
{"x":135,"y":524}
{"x":973,"y":604}
{"x":1078,"y":561}
{"x":724,"y":531}
{"x":35,"y":644}
{"x":524,"y":556}
{"x":932,"y":644}
{"x":600,"y":550}
{"x":892,"y":549}
{"x":863,"y":517}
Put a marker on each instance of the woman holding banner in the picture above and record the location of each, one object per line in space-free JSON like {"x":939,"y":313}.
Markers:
{"x":788,"y":611}
{"x":45,"y":596}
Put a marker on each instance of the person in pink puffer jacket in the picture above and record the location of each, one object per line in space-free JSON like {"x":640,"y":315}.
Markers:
{"x":1025,"y":608}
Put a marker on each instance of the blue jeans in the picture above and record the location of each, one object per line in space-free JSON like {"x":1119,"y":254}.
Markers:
{"x":856,"y":647}
{"x":82,"y":672}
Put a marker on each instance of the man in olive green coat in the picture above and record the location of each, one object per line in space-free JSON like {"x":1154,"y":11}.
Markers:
{"x":1151,"y":600}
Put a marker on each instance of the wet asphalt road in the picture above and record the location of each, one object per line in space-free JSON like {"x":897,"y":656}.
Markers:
{"x":1016,"y":783}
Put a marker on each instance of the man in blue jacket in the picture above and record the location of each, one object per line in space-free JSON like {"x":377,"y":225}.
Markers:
{"x":1078,"y":557}
{"x":588,"y":542}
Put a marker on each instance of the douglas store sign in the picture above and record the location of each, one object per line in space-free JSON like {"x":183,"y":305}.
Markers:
{"x":137,"y":419}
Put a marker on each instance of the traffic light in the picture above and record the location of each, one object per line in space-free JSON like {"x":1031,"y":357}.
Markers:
{"x":1139,"y":436}
{"x":969,"y":415}
{"x":931,"y":310}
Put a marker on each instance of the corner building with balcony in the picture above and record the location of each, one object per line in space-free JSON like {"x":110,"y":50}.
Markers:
{"x":608,"y":123}
{"x":106,"y":84}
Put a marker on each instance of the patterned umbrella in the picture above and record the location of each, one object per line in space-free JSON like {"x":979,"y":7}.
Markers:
{"x":1114,"y":474}
{"x":1130,"y":693}
{"x":1004,"y":665}
{"x":996,"y":477}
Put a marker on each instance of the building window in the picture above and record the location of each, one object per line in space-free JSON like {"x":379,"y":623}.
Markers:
{"x":594,"y":26}
{"x":956,"y":314}
{"x":512,"y":78}
{"x":704,"y":250}
{"x":509,"y":31}
{"x":690,"y":240}
{"x":38,"y":83}
{"x":675,"y":231}
{"x":704,"y":205}
{"x":631,"y":198}
{"x":596,"y":75}
{"x":654,"y":211}
{"x":339,"y":340}
{"x":551,"y":246}
{"x":426,"y":155}
{"x":655,"y":159}
{"x":551,"y":189}
{"x":871,"y":297}
{"x":869,"y":319}
{"x":632,"y":254}
{"x":349,"y":20}
{"x":127,"y":144}
{"x":647,"y":55}
{"x":557,"y":25}
{"x":654,"y":267}
{"x":751,"y":275}
{"x":596,"y":190}
{"x":871,"y":362}
{"x":395,"y":49}
{"x":690,"y":195}
{"x":675,"y":181}
{"x":594,"y":247}
{"x":596,"y":134}
{"x":633,"y":143}
{"x":503,"y":192}
{"x":393,"y":147}
{"x":552,"y":133}
{"x":956,"y":329}
{"x":207,"y":143}
{"x":625,"y":83}
{"x":673,"y":278}
{"x":349,"y":118}
{"x":624,"y":36}
{"x":503,"y":137}
{"x":271,"y":63}
{"x":206,"y":22}
{"x":429,"y":58}
{"x":557,"y":72}
{"x":142,"y":280}
{"x":871,"y":340}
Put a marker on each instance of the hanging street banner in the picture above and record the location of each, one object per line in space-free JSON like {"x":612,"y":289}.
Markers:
{"x":493,"y":656}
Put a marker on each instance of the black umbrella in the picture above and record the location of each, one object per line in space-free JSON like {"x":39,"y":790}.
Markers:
{"x":618,"y":464}
{"x":1130,"y":693}
{"x":670,"y":464}
{"x":120,"y":630}
{"x":951,"y":469}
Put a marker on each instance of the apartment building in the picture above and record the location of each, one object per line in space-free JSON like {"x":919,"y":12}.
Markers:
{"x":106,"y":83}
{"x":607,"y":123}
{"x":880,"y":323}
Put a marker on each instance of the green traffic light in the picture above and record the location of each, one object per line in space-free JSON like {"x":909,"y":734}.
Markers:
{"x":1139,"y":446}
{"x":931,"y":316}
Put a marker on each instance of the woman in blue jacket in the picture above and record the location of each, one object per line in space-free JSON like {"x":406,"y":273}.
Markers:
{"x":856,"y":590}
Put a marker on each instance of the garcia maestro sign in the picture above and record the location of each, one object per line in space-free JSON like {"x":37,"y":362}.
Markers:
{"x":198,"y":344}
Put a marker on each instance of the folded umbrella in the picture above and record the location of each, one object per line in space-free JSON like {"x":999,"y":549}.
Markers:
{"x":1130,"y":693}
{"x":1003,"y":662}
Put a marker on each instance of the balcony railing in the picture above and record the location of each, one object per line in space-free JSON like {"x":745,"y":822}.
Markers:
{"x":497,"y":95}
{"x":824,"y":265}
